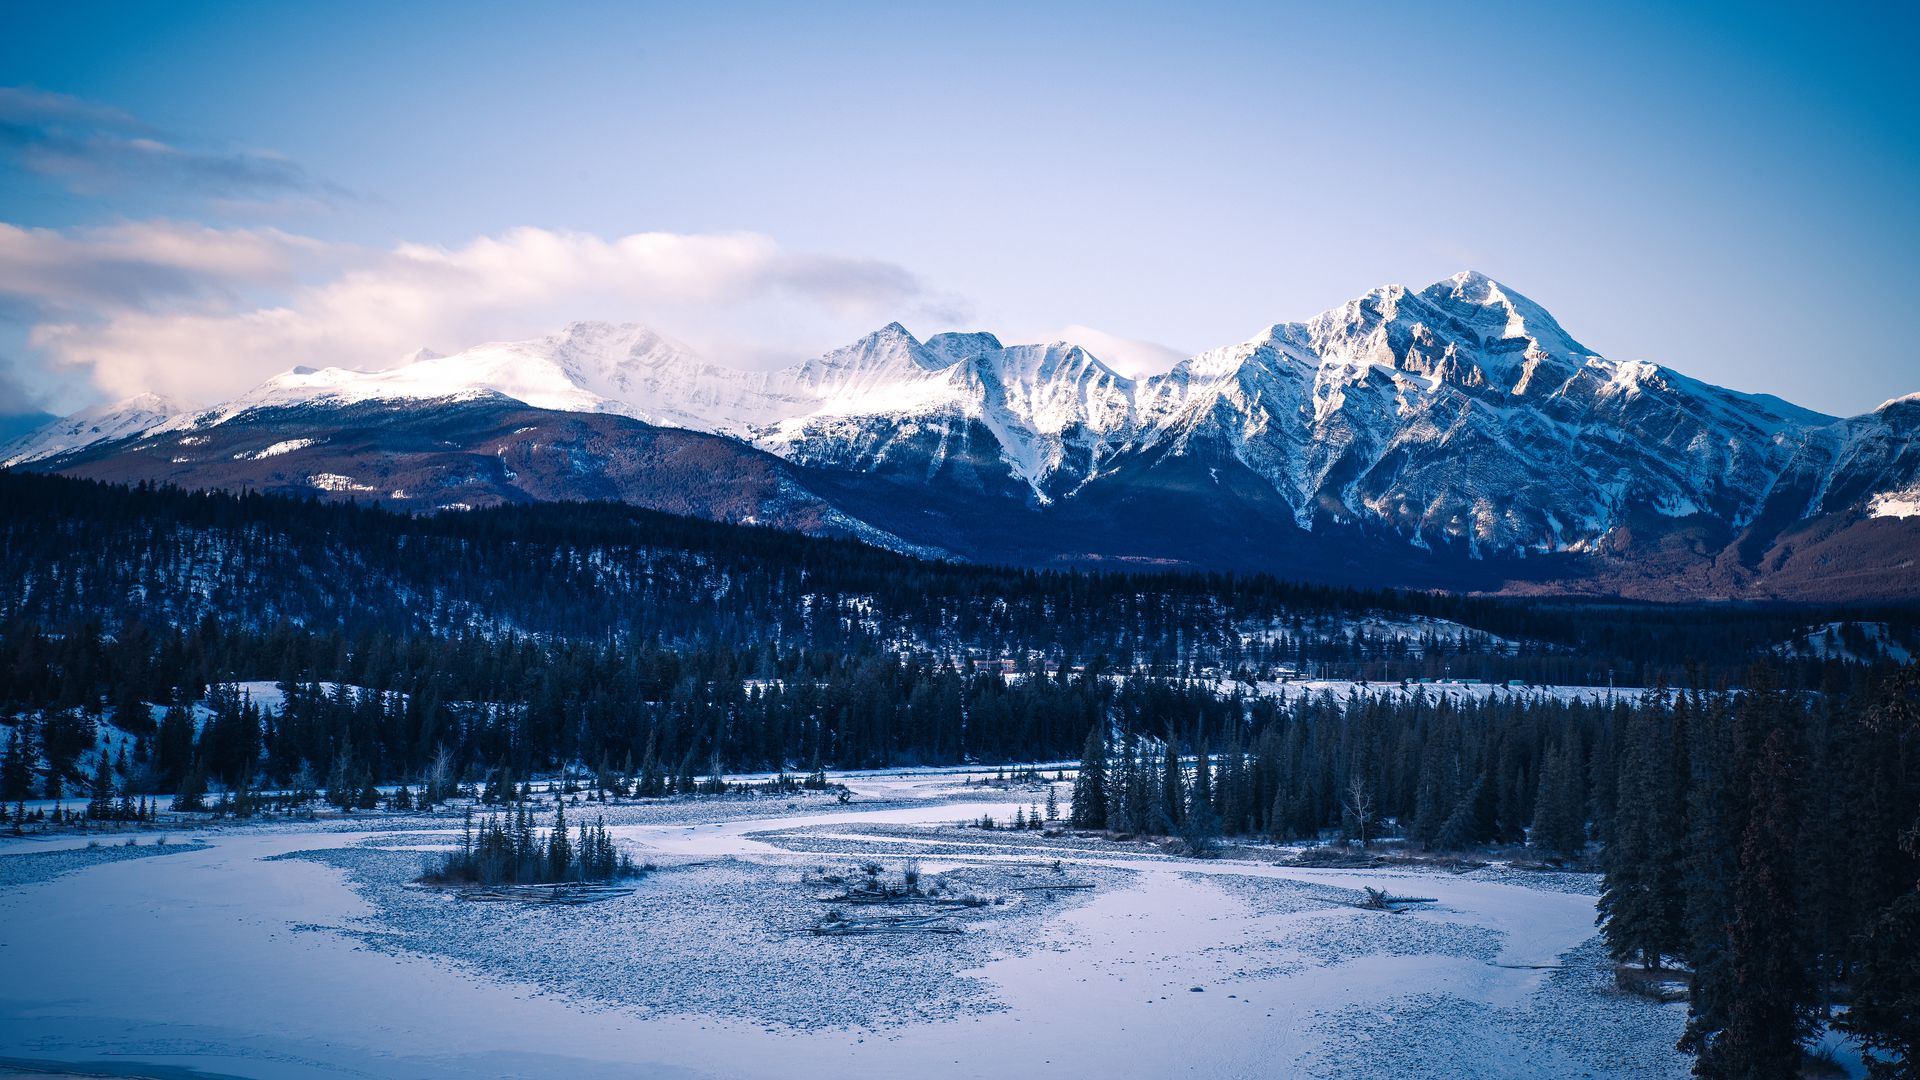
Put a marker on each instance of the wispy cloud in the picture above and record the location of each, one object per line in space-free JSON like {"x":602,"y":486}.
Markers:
{"x":146,"y":264}
{"x":92,"y":148}
{"x":202,"y":313}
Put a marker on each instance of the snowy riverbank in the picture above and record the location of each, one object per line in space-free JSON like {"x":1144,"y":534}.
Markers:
{"x":297,"y":950}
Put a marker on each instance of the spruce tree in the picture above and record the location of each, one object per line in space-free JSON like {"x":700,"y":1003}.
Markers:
{"x":1200,"y":798}
{"x":100,"y":807}
{"x":1885,"y":1008}
{"x":1560,"y":818}
{"x":559,"y":849}
{"x":1089,"y":807}
{"x":1640,"y":908}
{"x":192,"y":792}
{"x":1173,"y":791}
{"x":16,"y":770}
{"x":1766,"y":996}
{"x":1885,"y":1011}
{"x":173,"y":747}
{"x":1716,"y":811}
{"x":1470,"y":822}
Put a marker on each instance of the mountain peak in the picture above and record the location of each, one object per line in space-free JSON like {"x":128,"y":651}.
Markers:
{"x":598,"y":328}
{"x":1467,"y":283}
{"x":957,"y":348}
{"x":1506,"y":312}
{"x":611,"y":338}
{"x":886,"y":355}
{"x":101,"y":423}
{"x":892,"y":332}
{"x":145,"y":402}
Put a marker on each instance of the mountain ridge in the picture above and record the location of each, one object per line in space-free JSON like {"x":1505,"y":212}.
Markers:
{"x":1455,"y":423}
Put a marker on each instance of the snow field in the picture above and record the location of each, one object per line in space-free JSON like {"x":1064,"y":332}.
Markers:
{"x":308,"y":954}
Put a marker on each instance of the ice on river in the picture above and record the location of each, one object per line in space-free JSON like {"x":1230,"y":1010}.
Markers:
{"x":295,"y":950}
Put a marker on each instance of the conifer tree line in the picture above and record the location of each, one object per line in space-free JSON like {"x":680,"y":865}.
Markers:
{"x":1765,"y":837}
{"x":651,"y":717}
{"x":1769,"y":843}
{"x":509,"y":850}
{"x":74,"y":553}
{"x":1765,"y":843}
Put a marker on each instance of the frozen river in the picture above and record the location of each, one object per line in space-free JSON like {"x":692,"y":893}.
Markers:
{"x":292,"y":951}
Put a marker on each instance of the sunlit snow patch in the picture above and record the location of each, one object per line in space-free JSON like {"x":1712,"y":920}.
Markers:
{"x":1903,"y":503}
{"x":287,"y":446}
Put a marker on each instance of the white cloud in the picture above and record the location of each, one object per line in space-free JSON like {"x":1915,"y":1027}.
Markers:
{"x":183,"y":319}
{"x":136,"y":264}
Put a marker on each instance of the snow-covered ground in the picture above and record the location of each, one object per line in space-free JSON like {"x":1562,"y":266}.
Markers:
{"x":1853,"y":641}
{"x":1441,"y":689}
{"x":298,"y":950}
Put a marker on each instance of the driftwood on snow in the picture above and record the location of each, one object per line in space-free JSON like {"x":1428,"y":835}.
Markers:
{"x":839,"y":925}
{"x":1381,"y":900}
{"x":562,"y":893}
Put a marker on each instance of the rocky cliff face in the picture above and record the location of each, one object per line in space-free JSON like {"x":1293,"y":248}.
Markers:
{"x":1455,"y":436}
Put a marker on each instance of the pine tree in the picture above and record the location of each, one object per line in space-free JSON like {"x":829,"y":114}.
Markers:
{"x":1885,"y":1009}
{"x":16,"y":770}
{"x":1200,"y":797}
{"x":1766,"y":996}
{"x":1469,"y":823}
{"x":1716,"y":811}
{"x":1641,"y":906}
{"x":1126,"y":807}
{"x":1089,"y":807}
{"x":173,"y":746}
{"x":192,"y":792}
{"x":559,"y":850}
{"x":1885,"y":1012}
{"x":1560,"y":820}
{"x":1173,"y":791}
{"x":100,"y":807}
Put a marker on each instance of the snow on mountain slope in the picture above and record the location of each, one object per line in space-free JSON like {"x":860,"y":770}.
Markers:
{"x":1045,"y":408}
{"x":1901,"y":503}
{"x":1873,"y":459}
{"x":1461,"y":417}
{"x":1045,"y":403}
{"x":103,"y":423}
{"x":888,"y":371}
{"x":587,"y":367}
{"x":1463,"y":414}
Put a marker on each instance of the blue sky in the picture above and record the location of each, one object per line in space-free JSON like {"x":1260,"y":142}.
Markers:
{"x":194,"y":196}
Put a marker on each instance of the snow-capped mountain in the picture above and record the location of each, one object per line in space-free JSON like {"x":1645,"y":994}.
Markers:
{"x":102,"y":423}
{"x":588,"y":367}
{"x":1401,"y":436}
{"x":1463,"y":414}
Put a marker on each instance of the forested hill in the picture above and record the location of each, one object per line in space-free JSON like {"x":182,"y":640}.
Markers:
{"x":74,"y":553}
